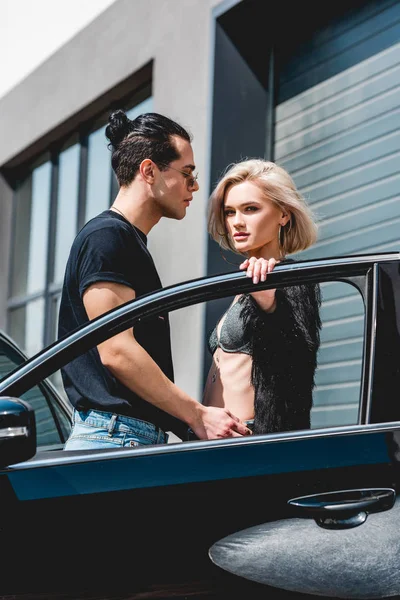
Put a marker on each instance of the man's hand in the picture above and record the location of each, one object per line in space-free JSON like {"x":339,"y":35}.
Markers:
{"x":214,"y":422}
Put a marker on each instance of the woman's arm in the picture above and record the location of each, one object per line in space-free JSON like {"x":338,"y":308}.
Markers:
{"x":258,"y":269}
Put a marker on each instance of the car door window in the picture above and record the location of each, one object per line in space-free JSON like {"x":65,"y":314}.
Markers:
{"x":338,"y":377}
{"x":52,"y":424}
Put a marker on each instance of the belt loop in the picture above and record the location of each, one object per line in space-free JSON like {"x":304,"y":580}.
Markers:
{"x":159,"y":435}
{"x":111,"y":426}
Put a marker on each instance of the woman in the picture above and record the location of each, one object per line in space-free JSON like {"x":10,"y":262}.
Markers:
{"x":265,"y":346}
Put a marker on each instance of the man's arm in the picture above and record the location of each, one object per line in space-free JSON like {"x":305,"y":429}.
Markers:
{"x":133,"y":367}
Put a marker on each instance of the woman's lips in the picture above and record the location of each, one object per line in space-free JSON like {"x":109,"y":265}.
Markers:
{"x":241,"y":236}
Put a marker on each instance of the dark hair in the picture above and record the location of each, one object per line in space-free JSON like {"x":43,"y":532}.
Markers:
{"x":147,"y":136}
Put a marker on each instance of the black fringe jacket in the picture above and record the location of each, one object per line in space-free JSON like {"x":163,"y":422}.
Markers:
{"x":284,"y":352}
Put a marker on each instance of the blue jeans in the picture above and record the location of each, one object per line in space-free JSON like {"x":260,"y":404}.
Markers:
{"x":97,"y":429}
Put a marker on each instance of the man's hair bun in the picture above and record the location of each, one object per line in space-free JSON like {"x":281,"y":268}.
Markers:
{"x":119,"y":126}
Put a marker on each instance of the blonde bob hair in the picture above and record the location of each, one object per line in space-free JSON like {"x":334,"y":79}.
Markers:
{"x":299,"y":233}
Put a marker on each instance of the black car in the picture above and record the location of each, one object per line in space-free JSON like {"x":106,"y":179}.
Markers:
{"x":291,"y":514}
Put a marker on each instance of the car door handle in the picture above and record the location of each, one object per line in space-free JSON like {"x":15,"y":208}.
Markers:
{"x":344,"y":509}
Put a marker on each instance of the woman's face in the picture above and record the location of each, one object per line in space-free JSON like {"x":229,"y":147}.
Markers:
{"x":252,"y":221}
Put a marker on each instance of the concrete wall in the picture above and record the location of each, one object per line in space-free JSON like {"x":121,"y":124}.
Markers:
{"x":123,"y":39}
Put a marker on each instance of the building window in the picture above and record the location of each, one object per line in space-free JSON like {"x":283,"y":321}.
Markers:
{"x":62,"y":191}
{"x":67,"y":209}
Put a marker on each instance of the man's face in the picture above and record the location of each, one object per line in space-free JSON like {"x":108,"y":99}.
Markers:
{"x":176,"y":184}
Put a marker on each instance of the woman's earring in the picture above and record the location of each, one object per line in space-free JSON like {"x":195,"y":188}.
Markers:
{"x":281,"y":236}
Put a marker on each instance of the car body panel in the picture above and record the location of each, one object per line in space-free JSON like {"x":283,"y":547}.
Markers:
{"x":195,"y":462}
{"x":164,"y":516}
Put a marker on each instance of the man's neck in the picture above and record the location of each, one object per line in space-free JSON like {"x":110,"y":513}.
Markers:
{"x":137,"y":207}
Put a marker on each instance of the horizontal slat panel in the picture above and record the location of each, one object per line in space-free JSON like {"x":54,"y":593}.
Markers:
{"x":384,"y":211}
{"x":351,"y":49}
{"x":334,"y":417}
{"x":337,"y":289}
{"x":348,"y":78}
{"x":343,"y":34}
{"x":340,"y":101}
{"x":343,"y":372}
{"x":342,"y":309}
{"x":347,"y":329}
{"x":362,"y":197}
{"x":350,"y":349}
{"x":360,"y":155}
{"x":342,"y":122}
{"x":360,"y":241}
{"x":387,"y":247}
{"x":311,"y":157}
{"x":346,"y":393}
{"x":354,"y":179}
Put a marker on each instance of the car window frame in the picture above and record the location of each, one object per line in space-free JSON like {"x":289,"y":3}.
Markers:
{"x":47,"y":389}
{"x":347,"y":269}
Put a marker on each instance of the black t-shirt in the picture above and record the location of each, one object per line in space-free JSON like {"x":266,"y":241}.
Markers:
{"x":109,"y":248}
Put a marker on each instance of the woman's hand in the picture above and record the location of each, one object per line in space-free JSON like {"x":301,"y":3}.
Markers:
{"x":258,"y":269}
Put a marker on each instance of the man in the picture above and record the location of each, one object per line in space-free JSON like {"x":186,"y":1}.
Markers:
{"x":123,"y":391}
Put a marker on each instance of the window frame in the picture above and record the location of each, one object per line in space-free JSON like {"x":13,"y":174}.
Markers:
{"x":80,"y":136}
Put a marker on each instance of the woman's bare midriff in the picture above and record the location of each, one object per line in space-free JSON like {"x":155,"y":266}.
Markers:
{"x":229,"y":384}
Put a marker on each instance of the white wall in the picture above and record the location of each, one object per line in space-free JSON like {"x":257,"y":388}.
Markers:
{"x":31,"y":30}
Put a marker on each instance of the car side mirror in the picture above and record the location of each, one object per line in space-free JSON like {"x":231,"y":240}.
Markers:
{"x":17,"y":431}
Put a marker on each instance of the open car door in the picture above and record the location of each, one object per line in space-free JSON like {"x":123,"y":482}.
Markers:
{"x":293,"y":513}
